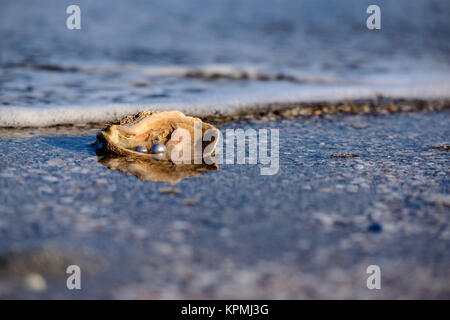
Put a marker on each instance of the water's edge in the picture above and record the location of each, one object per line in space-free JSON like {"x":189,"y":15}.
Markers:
{"x":32,"y":118}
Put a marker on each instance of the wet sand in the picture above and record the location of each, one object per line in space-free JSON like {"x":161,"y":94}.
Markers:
{"x":352,"y":190}
{"x":309,"y":231}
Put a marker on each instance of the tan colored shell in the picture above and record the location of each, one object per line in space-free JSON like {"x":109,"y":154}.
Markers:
{"x":147,"y":128}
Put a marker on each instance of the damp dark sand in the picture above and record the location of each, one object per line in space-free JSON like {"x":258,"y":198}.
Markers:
{"x":310,"y":231}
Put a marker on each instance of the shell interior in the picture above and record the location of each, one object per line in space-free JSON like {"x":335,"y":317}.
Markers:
{"x":147,"y":128}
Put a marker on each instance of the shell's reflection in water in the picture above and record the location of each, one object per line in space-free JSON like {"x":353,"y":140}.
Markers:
{"x":123,"y":145}
{"x":154,"y":170}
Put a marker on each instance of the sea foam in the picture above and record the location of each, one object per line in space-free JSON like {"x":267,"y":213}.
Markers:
{"x":255,"y":95}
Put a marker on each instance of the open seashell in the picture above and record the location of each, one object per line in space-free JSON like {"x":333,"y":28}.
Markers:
{"x":182,"y":136}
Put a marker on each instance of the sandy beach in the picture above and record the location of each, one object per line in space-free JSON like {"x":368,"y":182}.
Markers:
{"x":363,"y":163}
{"x":308,"y":232}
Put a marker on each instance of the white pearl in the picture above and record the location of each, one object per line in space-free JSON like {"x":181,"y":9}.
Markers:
{"x":141,"y":149}
{"x":158,"y":148}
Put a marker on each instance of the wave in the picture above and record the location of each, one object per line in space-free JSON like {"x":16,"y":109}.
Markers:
{"x":206,"y":72}
{"x":227,"y":101}
{"x":212,"y":72}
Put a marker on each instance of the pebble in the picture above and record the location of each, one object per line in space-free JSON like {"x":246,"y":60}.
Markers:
{"x":50,"y":179}
{"x":55,"y":162}
{"x":168,"y":190}
{"x":375,"y":228}
{"x":190,"y":202}
{"x":35,"y":282}
{"x":45,"y":189}
{"x":344,"y":155}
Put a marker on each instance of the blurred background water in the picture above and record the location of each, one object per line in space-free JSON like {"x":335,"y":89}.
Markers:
{"x":153,"y":52}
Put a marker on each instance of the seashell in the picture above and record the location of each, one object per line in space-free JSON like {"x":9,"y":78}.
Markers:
{"x":147,"y":128}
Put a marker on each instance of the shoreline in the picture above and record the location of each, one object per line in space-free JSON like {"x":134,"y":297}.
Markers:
{"x":351,"y":107}
{"x":275,"y":112}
